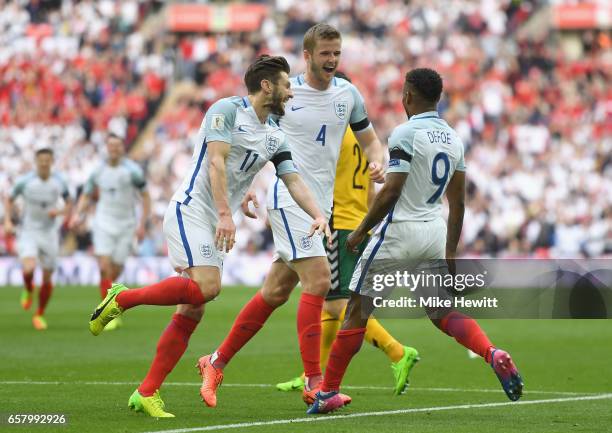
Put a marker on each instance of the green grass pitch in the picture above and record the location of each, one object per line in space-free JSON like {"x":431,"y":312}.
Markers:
{"x":67,"y":370}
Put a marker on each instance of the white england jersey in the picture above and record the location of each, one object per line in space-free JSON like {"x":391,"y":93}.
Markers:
{"x":430,"y":151}
{"x":118,"y":187}
{"x":39,"y":197}
{"x":234,"y":121}
{"x":315,"y":122}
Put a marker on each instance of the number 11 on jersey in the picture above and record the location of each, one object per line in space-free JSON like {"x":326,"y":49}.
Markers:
{"x":321,"y":136}
{"x":246,"y":158}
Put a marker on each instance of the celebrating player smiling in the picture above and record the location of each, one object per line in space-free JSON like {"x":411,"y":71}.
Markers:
{"x":315,"y":122}
{"x":237,"y":138}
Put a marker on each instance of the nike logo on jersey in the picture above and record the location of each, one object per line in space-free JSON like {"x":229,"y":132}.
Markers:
{"x":294,"y":108}
{"x":241,"y":129}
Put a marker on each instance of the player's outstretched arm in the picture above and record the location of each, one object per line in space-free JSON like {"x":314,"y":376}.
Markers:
{"x":455,"y":192}
{"x":383,"y":203}
{"x":304,"y":198}
{"x":226,"y":230}
{"x":373,"y":150}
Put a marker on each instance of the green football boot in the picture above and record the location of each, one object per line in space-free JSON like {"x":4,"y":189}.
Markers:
{"x":296,"y":384}
{"x":152,"y":406}
{"x":107,"y":310}
{"x":401,"y":369}
{"x":116,"y":323}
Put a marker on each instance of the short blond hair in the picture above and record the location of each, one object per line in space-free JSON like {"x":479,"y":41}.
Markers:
{"x":317,"y":32}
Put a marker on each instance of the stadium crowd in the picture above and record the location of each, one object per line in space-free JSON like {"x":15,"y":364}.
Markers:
{"x":537,"y":123}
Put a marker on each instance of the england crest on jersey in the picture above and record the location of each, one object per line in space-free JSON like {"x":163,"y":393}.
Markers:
{"x":206,"y":251}
{"x":341,"y":108}
{"x":272,"y":144}
{"x":306,"y":242}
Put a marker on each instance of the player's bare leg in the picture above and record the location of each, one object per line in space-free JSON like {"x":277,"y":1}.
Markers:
{"x":279,"y":283}
{"x":28,"y":266}
{"x":46,"y":288}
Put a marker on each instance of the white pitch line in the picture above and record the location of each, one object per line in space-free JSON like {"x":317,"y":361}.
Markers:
{"x":381,"y":413}
{"x":266,"y":385}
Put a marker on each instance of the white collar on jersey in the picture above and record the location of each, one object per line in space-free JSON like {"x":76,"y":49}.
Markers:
{"x":301,"y":80}
{"x":426,"y":115}
{"x":246,"y":103}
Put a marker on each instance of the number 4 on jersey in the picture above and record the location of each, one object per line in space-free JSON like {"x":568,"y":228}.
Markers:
{"x":321,"y":136}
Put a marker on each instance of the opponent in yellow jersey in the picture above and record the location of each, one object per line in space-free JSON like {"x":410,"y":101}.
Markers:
{"x":353,"y":190}
{"x":351,"y":196}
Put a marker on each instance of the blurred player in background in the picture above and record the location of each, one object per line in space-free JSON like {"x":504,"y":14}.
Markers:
{"x":116,"y":184}
{"x":237,"y":138}
{"x":426,"y":160}
{"x":38,"y":238}
{"x":353,"y":194}
{"x":315,"y":123}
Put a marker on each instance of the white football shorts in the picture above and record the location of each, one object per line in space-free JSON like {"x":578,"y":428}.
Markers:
{"x":411,"y":246}
{"x":40,"y":244}
{"x":190,"y":239}
{"x":290,"y":228}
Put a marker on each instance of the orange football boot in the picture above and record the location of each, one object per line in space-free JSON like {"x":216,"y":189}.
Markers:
{"x":211,"y":379}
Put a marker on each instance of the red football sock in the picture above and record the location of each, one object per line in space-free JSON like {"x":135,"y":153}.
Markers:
{"x":171,"y":291}
{"x":467,"y":332}
{"x":309,"y":332}
{"x":347,"y":344}
{"x":43,"y":297}
{"x":28,"y":281}
{"x":171,"y":346}
{"x":105,"y":284}
{"x":249,"y":321}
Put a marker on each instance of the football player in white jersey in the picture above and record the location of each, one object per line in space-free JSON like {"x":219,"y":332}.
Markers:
{"x":315,"y":121}
{"x":426,"y":161}
{"x":38,"y":239}
{"x":117,"y":183}
{"x":236,"y":139}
